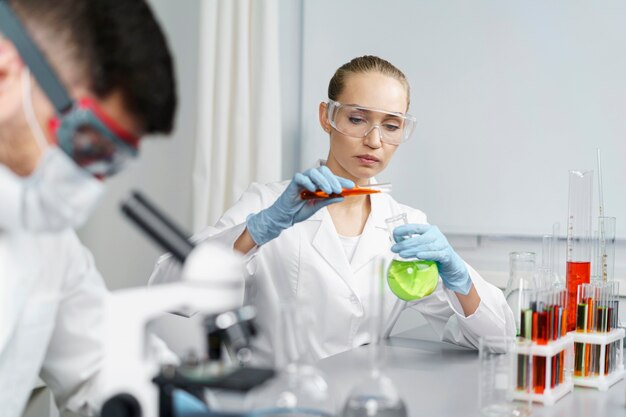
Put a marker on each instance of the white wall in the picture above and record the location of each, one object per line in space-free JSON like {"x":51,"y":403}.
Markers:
{"x":508,"y":95}
{"x":124,"y":257}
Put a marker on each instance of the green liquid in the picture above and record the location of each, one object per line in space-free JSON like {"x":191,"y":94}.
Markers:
{"x":412,"y":280}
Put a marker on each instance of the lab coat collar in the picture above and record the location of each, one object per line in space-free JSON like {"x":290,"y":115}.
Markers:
{"x":375,"y":239}
{"x":17,"y":274}
{"x":11,"y":203}
{"x":327,"y":243}
{"x":373,"y":242}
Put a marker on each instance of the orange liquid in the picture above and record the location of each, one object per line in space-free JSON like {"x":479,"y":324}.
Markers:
{"x":577,"y":273}
{"x":310,"y":195}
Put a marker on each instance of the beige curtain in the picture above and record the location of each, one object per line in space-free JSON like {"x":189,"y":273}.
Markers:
{"x":239,"y":128}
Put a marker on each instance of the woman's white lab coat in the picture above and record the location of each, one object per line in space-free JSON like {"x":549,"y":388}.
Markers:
{"x":50,"y":320}
{"x":307,"y":263}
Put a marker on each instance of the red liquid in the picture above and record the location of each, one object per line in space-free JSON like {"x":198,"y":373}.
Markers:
{"x":542,"y":328}
{"x":310,"y":195}
{"x":540,"y":374}
{"x":577,"y":273}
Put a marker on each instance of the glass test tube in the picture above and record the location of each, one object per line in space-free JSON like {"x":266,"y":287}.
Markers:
{"x":348,"y":192}
{"x":606,"y":248}
{"x":578,"y":269}
{"x":555,"y":264}
{"x":521,"y":281}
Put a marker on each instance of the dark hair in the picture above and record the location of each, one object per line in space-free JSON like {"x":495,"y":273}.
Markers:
{"x":365,"y":64}
{"x":111,"y":45}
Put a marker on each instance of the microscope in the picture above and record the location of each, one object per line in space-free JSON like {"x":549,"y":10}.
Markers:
{"x":133,"y":381}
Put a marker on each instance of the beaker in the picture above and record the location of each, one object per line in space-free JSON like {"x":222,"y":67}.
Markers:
{"x":521,"y":281}
{"x":299,"y":389}
{"x":504,"y":375}
{"x":578,"y":238}
{"x":410,"y":279}
{"x":375,"y":395}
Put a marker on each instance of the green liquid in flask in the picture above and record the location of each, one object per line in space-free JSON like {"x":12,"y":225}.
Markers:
{"x":412,"y":280}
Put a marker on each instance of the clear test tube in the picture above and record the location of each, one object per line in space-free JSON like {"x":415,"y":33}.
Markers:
{"x":521,"y":281}
{"x":555,"y":264}
{"x":578,"y":270}
{"x":606,"y":248}
{"x":544,"y":271}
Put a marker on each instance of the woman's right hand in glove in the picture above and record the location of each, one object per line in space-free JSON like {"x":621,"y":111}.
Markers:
{"x":290,"y":208}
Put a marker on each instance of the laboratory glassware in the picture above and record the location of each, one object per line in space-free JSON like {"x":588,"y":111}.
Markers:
{"x":521,"y":281}
{"x":598,"y":360}
{"x":503,"y":374}
{"x":555,"y":264}
{"x":375,"y":395}
{"x":412,"y":278}
{"x":300,"y":388}
{"x":578,"y":270}
{"x":348,"y":192}
{"x":544,"y":276}
{"x":606,"y":248}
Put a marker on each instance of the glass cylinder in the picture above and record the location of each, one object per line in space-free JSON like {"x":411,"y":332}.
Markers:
{"x":410,"y":279}
{"x":578,"y":269}
{"x":521,"y":281}
{"x":504,"y":375}
{"x":299,"y":389}
{"x":375,"y":395}
{"x":606,"y":248}
{"x":555,"y":264}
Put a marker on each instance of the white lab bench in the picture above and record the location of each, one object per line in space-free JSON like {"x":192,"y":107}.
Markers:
{"x":438,"y":379}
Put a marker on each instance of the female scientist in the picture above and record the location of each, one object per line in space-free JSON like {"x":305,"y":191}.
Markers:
{"x":322,"y":252}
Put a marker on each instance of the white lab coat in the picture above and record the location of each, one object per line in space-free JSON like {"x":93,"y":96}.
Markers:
{"x":50,"y":320}
{"x":307,"y":262}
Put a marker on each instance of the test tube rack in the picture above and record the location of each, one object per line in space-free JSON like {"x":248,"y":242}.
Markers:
{"x":598,"y":348}
{"x":610,"y":349}
{"x":552,"y":370}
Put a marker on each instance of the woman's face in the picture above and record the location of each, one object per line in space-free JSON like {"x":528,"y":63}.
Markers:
{"x":362,"y":158}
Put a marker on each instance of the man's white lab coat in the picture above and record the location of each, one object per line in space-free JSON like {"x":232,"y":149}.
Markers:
{"x":307,"y":263}
{"x":50,"y":319}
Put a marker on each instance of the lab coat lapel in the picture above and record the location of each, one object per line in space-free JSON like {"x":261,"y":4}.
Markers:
{"x":327,"y":244}
{"x":374,"y":239}
{"x":16,"y":277}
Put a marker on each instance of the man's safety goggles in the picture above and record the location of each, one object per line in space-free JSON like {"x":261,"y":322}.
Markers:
{"x":82,"y":129}
{"x":358,"y":121}
{"x":93,"y":140}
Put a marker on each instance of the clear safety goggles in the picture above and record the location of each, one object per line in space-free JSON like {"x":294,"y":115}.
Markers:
{"x":93,"y":140}
{"x":358,"y":121}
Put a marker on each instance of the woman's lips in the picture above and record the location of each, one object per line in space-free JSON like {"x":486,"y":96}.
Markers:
{"x":367,"y":159}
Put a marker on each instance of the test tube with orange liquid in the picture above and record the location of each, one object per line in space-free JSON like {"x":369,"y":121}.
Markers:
{"x":578,"y":238}
{"x":348,"y":192}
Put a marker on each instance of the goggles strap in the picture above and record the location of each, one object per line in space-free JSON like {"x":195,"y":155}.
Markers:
{"x":13,"y":29}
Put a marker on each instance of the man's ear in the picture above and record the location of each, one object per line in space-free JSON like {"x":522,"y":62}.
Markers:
{"x":11,"y":65}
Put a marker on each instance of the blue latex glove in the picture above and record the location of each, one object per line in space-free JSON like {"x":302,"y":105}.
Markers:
{"x":289,"y":208}
{"x":426,"y":242}
{"x":186,"y":404}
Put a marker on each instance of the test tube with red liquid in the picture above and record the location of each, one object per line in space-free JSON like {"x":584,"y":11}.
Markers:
{"x":578,"y":269}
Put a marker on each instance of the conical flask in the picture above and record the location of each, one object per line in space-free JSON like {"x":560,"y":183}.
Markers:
{"x":299,"y":389}
{"x":375,"y":395}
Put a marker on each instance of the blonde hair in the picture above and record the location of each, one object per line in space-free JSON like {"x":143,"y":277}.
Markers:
{"x":362,"y":65}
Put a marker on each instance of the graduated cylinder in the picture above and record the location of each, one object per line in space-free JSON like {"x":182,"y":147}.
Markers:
{"x":578,"y":269}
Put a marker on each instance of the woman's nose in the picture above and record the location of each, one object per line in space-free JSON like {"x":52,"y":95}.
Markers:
{"x":374,"y":137}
